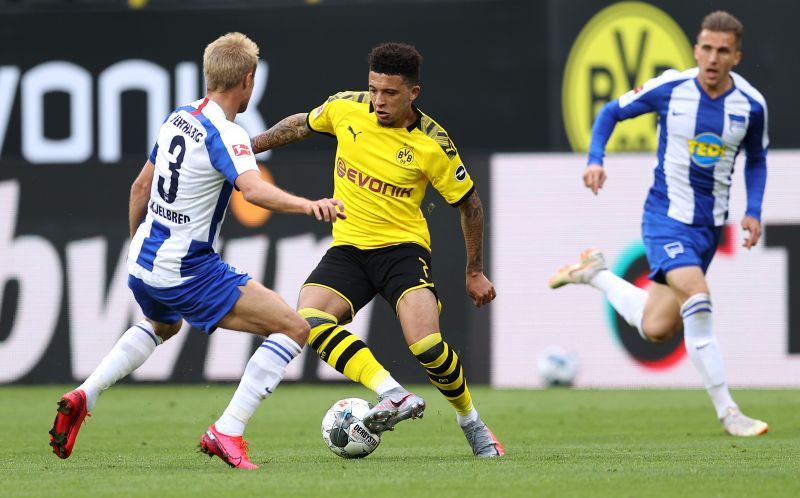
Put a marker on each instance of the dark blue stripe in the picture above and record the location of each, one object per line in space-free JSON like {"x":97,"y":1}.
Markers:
{"x":217,"y":151}
{"x":222,"y":162}
{"x":289,"y":353}
{"x":154,"y":153}
{"x":710,"y":119}
{"x":755,"y":168}
{"x":696,"y":304}
{"x":155,"y":341}
{"x":754,"y":140}
{"x":197,"y":258}
{"x":281,"y":355}
{"x":219,"y":211}
{"x":700,"y":310}
{"x":158,"y":235}
{"x":155,"y":147}
{"x":658,"y":197}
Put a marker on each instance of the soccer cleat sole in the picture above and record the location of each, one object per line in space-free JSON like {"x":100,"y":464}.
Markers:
{"x":760,"y":432}
{"x":386,"y":420}
{"x":564,"y":276}
{"x":209,"y":446}
{"x":498,"y":448}
{"x":58,"y":440}
{"x":588,"y":258}
{"x":205,"y":448}
{"x":559,"y":280}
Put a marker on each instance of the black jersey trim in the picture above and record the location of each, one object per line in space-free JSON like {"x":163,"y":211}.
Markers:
{"x":417,"y":122}
{"x":464,"y":197}
{"x":308,"y":123}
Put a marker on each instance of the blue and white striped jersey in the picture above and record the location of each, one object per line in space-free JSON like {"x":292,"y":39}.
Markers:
{"x":198,"y":156}
{"x":698,"y":141}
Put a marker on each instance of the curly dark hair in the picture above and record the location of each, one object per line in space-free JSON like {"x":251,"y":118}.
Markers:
{"x":396,"y":58}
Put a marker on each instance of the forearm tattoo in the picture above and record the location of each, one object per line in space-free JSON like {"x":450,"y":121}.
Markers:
{"x":472,"y":226}
{"x":289,"y":130}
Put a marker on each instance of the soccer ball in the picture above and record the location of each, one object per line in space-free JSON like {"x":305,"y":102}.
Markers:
{"x":343,"y":431}
{"x":557,"y":367}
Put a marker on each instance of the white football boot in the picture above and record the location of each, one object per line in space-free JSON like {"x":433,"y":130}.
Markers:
{"x":591,"y":262}
{"x":736,"y":423}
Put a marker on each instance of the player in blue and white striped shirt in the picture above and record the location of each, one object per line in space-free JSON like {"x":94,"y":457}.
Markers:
{"x":706,"y":115}
{"x":177,"y":205}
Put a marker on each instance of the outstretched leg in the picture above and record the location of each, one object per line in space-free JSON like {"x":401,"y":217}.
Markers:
{"x":259,"y":311}
{"x":132,"y":349}
{"x":345,"y":352}
{"x":691,"y":289}
{"x":419,"y":317}
{"x":591,"y":269}
{"x":339,"y":348}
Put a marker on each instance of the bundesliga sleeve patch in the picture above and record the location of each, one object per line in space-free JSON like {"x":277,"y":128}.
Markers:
{"x":242,"y":150}
{"x":461,"y":173}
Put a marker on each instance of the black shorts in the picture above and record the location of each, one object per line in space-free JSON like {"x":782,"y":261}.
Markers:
{"x":357,"y":275}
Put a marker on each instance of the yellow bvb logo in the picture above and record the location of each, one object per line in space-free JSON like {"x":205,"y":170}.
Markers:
{"x":619,"y":49}
{"x":405,"y":156}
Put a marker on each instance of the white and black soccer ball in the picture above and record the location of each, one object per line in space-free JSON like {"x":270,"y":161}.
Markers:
{"x":343,"y":431}
{"x":557,"y":367}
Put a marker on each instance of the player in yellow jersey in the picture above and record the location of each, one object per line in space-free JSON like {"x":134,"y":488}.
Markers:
{"x":388,"y":151}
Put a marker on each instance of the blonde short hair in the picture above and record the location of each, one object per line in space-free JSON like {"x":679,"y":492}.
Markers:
{"x":227,"y":60}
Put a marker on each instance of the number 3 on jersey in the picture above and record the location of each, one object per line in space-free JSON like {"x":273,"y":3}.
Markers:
{"x":169,"y":197}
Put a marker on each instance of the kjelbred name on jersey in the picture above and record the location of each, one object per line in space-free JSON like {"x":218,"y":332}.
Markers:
{"x":189,"y":130}
{"x":169,"y":214}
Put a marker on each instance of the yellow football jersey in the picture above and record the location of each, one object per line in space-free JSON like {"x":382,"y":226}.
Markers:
{"x":381,"y":173}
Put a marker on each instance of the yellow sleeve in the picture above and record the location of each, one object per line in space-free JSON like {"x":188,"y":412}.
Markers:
{"x":447,"y":172}
{"x":322,"y":119}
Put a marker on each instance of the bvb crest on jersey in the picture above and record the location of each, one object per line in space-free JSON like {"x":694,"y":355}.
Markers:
{"x":405,"y":156}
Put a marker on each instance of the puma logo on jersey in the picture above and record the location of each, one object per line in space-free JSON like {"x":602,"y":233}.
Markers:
{"x":355,"y":133}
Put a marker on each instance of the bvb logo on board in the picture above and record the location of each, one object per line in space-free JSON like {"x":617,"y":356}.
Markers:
{"x":619,"y":49}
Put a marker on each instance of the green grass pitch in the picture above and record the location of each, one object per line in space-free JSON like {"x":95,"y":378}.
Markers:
{"x":142,"y":441}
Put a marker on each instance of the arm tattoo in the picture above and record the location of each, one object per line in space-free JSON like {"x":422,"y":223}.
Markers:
{"x":288,"y":131}
{"x":472,"y":226}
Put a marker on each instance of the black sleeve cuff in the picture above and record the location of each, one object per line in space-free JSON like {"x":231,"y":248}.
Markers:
{"x":464,"y":197}
{"x":308,"y":123}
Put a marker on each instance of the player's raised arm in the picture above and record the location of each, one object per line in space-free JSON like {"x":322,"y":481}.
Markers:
{"x":289,"y":130}
{"x":140,"y":194}
{"x":264,"y":194}
{"x":479,"y":287}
